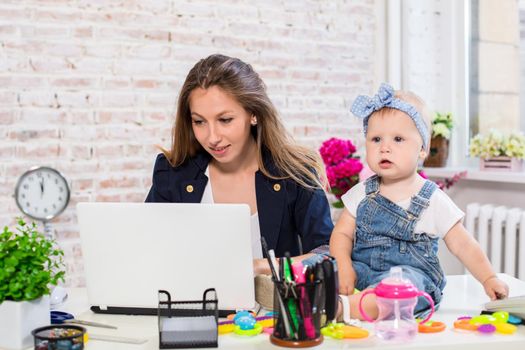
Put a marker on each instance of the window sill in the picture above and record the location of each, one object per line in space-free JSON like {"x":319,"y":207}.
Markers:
{"x":475,"y":174}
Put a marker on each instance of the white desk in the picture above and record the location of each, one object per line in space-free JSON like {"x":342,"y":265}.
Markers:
{"x":462,"y":296}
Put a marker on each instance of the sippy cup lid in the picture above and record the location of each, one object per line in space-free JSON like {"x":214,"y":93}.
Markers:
{"x":395,"y":286}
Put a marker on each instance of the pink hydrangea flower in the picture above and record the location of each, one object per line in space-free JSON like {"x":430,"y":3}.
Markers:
{"x":334,"y":150}
{"x":342,"y":166}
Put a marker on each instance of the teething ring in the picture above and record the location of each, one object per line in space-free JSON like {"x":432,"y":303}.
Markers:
{"x":464,"y":324}
{"x":434,"y":327}
{"x":505,"y":328}
{"x":248,"y":332}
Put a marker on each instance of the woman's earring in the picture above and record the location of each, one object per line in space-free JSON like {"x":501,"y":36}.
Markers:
{"x":254,"y":121}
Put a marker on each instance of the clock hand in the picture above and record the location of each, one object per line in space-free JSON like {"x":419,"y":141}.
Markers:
{"x":41,"y":187}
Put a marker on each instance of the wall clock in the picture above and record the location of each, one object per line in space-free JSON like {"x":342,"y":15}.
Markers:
{"x":42,"y":193}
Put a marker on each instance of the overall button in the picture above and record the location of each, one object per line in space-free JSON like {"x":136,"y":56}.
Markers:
{"x":189,"y":188}
{"x":277,"y":187}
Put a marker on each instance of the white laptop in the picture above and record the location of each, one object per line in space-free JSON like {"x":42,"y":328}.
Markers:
{"x":131,"y":250}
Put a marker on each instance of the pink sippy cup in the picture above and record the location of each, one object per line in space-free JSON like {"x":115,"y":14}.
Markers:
{"x":396,"y":299}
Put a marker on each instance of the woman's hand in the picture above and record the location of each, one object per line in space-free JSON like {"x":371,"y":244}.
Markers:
{"x":261,"y":267}
{"x":496,"y":288}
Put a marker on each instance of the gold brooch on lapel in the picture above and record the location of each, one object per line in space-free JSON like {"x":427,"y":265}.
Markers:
{"x":189,"y":188}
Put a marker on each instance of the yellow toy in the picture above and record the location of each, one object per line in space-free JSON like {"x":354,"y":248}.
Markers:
{"x":343,"y":331}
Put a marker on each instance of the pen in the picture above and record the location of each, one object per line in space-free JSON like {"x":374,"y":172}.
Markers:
{"x":304,"y":302}
{"x":319,"y":298}
{"x":291,"y":300}
{"x":331,"y":287}
{"x":276,"y":278}
{"x":271,"y":253}
{"x":270,"y":261}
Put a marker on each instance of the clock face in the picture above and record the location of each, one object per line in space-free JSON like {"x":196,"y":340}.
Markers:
{"x":42,"y":193}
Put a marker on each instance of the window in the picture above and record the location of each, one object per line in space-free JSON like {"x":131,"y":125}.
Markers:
{"x":464,"y":57}
{"x":494,"y":65}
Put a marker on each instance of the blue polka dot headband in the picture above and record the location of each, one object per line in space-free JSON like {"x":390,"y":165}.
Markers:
{"x":364,"y":106}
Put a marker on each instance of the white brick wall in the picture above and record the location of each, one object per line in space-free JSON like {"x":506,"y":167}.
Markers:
{"x":89,"y":86}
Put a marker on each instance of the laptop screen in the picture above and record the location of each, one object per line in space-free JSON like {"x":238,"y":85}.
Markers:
{"x":131,"y":250}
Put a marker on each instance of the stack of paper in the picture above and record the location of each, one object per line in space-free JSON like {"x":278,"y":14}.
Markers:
{"x":513,"y":305}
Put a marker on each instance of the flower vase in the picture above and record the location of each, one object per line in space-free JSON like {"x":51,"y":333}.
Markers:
{"x":501,"y":163}
{"x":19,"y":318}
{"x":438,"y":154}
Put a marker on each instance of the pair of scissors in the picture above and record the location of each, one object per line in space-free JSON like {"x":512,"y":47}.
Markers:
{"x":58,"y":317}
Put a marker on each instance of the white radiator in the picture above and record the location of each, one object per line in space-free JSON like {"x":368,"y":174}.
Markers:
{"x":500,"y":232}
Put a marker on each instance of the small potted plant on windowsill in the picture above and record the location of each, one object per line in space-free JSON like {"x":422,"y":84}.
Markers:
{"x":499,"y":151}
{"x":441,"y":129}
{"x":29,"y":264}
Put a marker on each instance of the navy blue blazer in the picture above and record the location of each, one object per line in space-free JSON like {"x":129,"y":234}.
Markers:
{"x":287,"y":212}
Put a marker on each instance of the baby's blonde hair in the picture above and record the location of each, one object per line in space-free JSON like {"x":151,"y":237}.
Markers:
{"x":419,"y":105}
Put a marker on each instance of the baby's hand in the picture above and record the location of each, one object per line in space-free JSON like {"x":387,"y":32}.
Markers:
{"x":346,"y":281}
{"x":496,"y":288}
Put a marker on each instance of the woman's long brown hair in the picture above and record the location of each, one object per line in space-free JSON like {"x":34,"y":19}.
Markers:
{"x":240,"y":81}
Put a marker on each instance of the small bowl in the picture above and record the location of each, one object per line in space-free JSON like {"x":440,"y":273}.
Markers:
{"x":63,"y":337}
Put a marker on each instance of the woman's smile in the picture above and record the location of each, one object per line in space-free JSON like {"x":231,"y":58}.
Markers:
{"x":219,"y":150}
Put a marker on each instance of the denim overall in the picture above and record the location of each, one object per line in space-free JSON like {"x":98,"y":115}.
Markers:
{"x":385,"y":237}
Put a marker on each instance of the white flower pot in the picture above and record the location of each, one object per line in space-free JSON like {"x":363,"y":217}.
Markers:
{"x":19,"y":318}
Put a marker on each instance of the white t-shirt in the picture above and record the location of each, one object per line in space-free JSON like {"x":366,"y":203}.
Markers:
{"x":207,"y":197}
{"x":436,"y":220}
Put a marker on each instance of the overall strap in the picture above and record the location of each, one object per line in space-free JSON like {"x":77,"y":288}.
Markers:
{"x":372,"y":185}
{"x":421,"y":200}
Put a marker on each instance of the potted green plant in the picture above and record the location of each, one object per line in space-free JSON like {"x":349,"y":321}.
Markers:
{"x":499,"y":151}
{"x":29,"y":264}
{"x":441,"y":129}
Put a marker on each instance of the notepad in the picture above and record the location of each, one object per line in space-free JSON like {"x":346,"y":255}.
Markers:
{"x":513,"y":305}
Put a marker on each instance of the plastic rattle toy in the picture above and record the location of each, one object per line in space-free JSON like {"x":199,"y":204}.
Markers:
{"x":257,"y":329}
{"x":514,"y":320}
{"x":343,"y":331}
{"x":244,"y":320}
{"x":258,"y":319}
{"x":482,"y":319}
{"x":240,"y":313}
{"x":226,"y":328}
{"x":431,"y":327}
{"x":501,"y":316}
{"x":487,"y":324}
{"x":505,"y":328}
{"x":487,"y":328}
{"x":465,"y":325}
{"x":267,"y":323}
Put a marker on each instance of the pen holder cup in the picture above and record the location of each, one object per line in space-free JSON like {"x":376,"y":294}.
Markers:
{"x":297,"y":314}
{"x":59,"y":337}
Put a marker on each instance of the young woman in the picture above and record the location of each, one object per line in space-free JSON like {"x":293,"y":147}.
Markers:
{"x":229,"y":146}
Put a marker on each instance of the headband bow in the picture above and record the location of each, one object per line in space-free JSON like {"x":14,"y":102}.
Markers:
{"x":364,"y":106}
